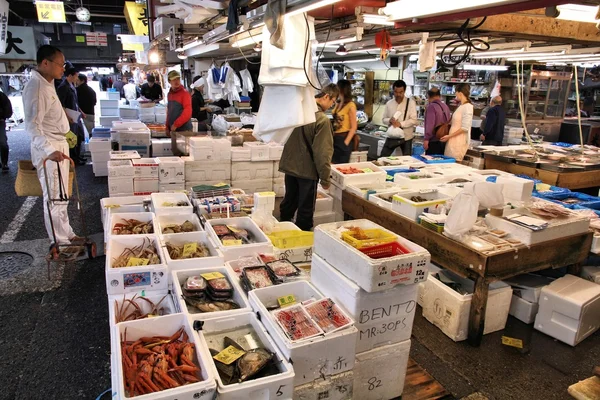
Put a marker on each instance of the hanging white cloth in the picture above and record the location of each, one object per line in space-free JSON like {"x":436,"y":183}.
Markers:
{"x":408,"y":75}
{"x":215,"y":91}
{"x":426,"y":56}
{"x":247,"y":84}
{"x":229,"y":83}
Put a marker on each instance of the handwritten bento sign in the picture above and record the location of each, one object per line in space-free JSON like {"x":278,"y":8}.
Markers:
{"x":50,"y":11}
{"x":229,"y":355}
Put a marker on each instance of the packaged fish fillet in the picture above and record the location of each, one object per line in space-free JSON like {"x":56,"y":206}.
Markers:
{"x":328,"y":315}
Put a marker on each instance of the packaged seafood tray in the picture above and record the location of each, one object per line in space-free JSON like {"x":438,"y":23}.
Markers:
{"x":139,"y":223}
{"x":421,"y":179}
{"x":381,"y":318}
{"x":405,"y":161}
{"x":168,"y":326}
{"x":436,"y":159}
{"x":259,"y":243}
{"x":171,"y":204}
{"x":177,"y":224}
{"x":371,"y":274}
{"x":413,"y":204}
{"x":246,"y":362}
{"x":192,"y":250}
{"x":141,"y":264}
{"x":213,"y":305}
{"x":148,"y":304}
{"x":343,"y":175}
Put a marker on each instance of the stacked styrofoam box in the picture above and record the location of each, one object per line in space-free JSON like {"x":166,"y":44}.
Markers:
{"x":120,"y":178}
{"x":128,"y":112}
{"x":358,"y":156}
{"x":324,"y":213}
{"x":278,"y":177}
{"x":161,"y":148}
{"x":449,"y":310}
{"x":592,"y":274}
{"x":515,"y":188}
{"x":279,"y":187}
{"x":259,"y":151}
{"x":569,"y":309}
{"x":145,"y":176}
{"x":135,"y":139}
{"x":264,"y":202}
{"x":252,"y":176}
{"x":275,"y":151}
{"x":100,"y":149}
{"x":334,"y":387}
{"x":201,"y":171}
{"x":113,"y":95}
{"x":261,"y":245}
{"x":204,"y":148}
{"x":147,"y":114}
{"x":171,"y":170}
{"x":526,"y":296}
{"x":336,"y":193}
{"x":160,"y":113}
{"x":381,"y":295}
{"x":109,"y":108}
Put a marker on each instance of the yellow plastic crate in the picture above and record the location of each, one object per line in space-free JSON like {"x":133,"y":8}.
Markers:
{"x":375,"y":238}
{"x":291,"y":239}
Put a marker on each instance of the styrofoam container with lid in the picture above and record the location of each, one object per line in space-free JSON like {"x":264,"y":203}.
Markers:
{"x":145,"y":168}
{"x":261,"y":245}
{"x":523,"y":310}
{"x":421,"y":179}
{"x":515,"y":188}
{"x":312,"y":358}
{"x":372,"y":275}
{"x":179,"y":277}
{"x":334,"y":387}
{"x":112,"y":205}
{"x":167,"y":326}
{"x":592,"y":274}
{"x":115,"y":302}
{"x":160,"y":199}
{"x":381,"y":317}
{"x":569,"y":309}
{"x":325,"y":203}
{"x":528,"y":286}
{"x":270,"y":387}
{"x":258,"y":151}
{"x":215,"y":259}
{"x":375,"y":175}
{"x":171,"y":169}
{"x":403,"y":204}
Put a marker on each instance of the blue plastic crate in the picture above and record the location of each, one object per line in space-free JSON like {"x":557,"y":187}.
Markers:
{"x":392,"y":172}
{"x":587,"y":201}
{"x":444,"y":160}
{"x":563,"y":144}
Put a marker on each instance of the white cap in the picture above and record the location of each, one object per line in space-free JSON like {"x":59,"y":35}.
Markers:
{"x":199,"y":82}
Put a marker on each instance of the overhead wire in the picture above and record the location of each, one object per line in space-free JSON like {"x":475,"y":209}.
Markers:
{"x":464,"y":39}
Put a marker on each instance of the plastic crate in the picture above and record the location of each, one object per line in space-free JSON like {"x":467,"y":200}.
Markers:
{"x":431,"y":226}
{"x":385,"y":250}
{"x":376,"y":237}
{"x":292,"y":238}
{"x":443,"y":160}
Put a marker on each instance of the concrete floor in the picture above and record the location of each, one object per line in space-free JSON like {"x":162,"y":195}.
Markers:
{"x":54,"y":335}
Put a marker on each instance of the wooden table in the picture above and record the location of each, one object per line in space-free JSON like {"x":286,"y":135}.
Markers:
{"x":482,"y":268}
{"x":569,"y":180}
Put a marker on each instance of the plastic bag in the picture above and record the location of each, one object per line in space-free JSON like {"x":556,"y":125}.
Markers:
{"x":395,"y":133}
{"x":489,"y":194}
{"x":463,"y":214}
{"x":219,"y":124}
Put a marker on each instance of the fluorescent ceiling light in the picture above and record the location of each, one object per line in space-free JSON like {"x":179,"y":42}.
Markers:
{"x":579,"y":13}
{"x":312,"y":6}
{"x":246,"y":42}
{"x":569,"y":60}
{"x":193,"y":43}
{"x":366,"y":50}
{"x":569,"y":56}
{"x":469,"y":67}
{"x":487,"y":54}
{"x":337,"y":42}
{"x":350,"y":61}
{"x":205,"y":48}
{"x":531,"y":56}
{"x":373,"y":19}
{"x":409,"y":9}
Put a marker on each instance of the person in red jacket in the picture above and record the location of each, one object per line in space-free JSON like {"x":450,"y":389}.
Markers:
{"x":179,"y":109}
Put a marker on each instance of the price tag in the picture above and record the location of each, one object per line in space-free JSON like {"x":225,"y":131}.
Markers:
{"x":189,"y":249}
{"x":367,"y":170}
{"x":232,"y":242}
{"x":112,"y":206}
{"x":285,"y":301}
{"x":229,"y":355}
{"x":221,"y":184}
{"x":212,"y":275}
{"x":137,"y":262}
{"x":508,"y":341}
{"x":273,"y":194}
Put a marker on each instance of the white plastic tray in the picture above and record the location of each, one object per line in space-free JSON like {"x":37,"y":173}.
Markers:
{"x":263,"y":244}
{"x":158,"y":199}
{"x":342,"y":180}
{"x":215,"y":259}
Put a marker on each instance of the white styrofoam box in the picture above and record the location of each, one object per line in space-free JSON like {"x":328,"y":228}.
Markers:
{"x":373,"y":275}
{"x":254,"y":185}
{"x":325,"y":203}
{"x":164,"y":221}
{"x":251,"y":170}
{"x":116,"y":301}
{"x":358,"y":156}
{"x":491,"y":172}
{"x":171,"y":169}
{"x":279,"y":187}
{"x":143,"y":151}
{"x":171,"y":187}
{"x":145,"y":185}
{"x":109,"y":103}
{"x":592,"y":274}
{"x":101,"y":156}
{"x":261,"y":245}
{"x":120,"y":168}
{"x":425,"y":180}
{"x":117,"y":218}
{"x":569,"y":309}
{"x":380,"y":201}
{"x":523,"y":310}
{"x":161,"y":118}
{"x":276,"y":173}
{"x":381,"y":317}
{"x":324,"y":217}
{"x":179,"y":277}
{"x":162,"y":24}
{"x":109,"y":112}
{"x":275,"y":152}
{"x":342,"y":180}
{"x":100,"y":171}
{"x":449,"y":310}
{"x":336,"y":192}
{"x":402,"y":161}
{"x":241,"y":154}
{"x":161,"y":147}
{"x":160,"y":109}
{"x":380,"y":373}
{"x":100,"y":145}
{"x":402,"y":203}
{"x":109,"y":205}
{"x":221,"y":149}
{"x":301,"y":254}
{"x":167,"y":326}
{"x":133,"y":279}
{"x":515,"y":188}
{"x":145,"y":168}
{"x":132,"y":138}
{"x":528,"y":286}
{"x":122,"y":185}
{"x":128,"y":112}
{"x":159,"y":199}
{"x":113,"y":96}
{"x":215,"y":259}
{"x":271,"y":387}
{"x":147,"y":110}
{"x":124,"y":155}
{"x":323,"y":355}
{"x":259,"y":151}
{"x":206,"y":170}
{"x":334,"y":387}
{"x":595,"y":244}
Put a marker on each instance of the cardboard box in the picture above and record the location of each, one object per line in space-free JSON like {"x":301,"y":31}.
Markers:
{"x":145,"y":168}
{"x":171,"y":170}
{"x":120,"y":168}
{"x":121,"y":186}
{"x":241,"y":170}
{"x":145,"y":185}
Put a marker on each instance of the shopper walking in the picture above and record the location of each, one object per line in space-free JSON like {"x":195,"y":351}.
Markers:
{"x":46,"y":122}
{"x":199,"y":109}
{"x":405,"y":119}
{"x":179,"y":109}
{"x":457,"y":142}
{"x":103,"y":83}
{"x":306,"y":160}
{"x":118,"y":86}
{"x":87,"y":102}
{"x":67,"y":95}
{"x":152,"y":90}
{"x":493,"y":132}
{"x":436,"y":114}
{"x":6,"y":112}
{"x":345,"y":125}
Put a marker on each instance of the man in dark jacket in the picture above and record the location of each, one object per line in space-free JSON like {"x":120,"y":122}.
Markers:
{"x":67,"y":94}
{"x":199,"y":109}
{"x":306,"y":159}
{"x":152,"y":90}
{"x":6,"y":112}
{"x":493,"y":133}
{"x":87,"y":101}
{"x":436,"y":113}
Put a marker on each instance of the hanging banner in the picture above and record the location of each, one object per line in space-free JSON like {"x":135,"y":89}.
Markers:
{"x":50,"y":11}
{"x":20,"y":43}
{"x":3,"y":25}
{"x":137,"y":17}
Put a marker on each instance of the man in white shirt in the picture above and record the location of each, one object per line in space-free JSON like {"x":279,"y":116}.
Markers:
{"x":405,"y":119}
{"x":47,"y":123}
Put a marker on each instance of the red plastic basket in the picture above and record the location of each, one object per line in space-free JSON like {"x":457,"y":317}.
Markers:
{"x":385,"y":250}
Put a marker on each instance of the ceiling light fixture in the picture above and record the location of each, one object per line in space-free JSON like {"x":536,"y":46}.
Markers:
{"x":349,"y":61}
{"x":311,"y":7}
{"x":406,"y":10}
{"x":568,"y":57}
{"x":153,"y":57}
{"x":470,"y":67}
{"x":189,"y":45}
{"x":341,"y":51}
{"x":182,"y":56}
{"x":258,"y":47}
{"x":579,"y":13}
{"x":374,"y":19}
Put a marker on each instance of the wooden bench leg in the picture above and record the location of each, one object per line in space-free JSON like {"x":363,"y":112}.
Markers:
{"x":575,"y":269}
{"x":477,"y":315}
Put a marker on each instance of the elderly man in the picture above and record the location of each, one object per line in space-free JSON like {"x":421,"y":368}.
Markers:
{"x":400,"y":112}
{"x":493,"y":132}
{"x":437,"y":113}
